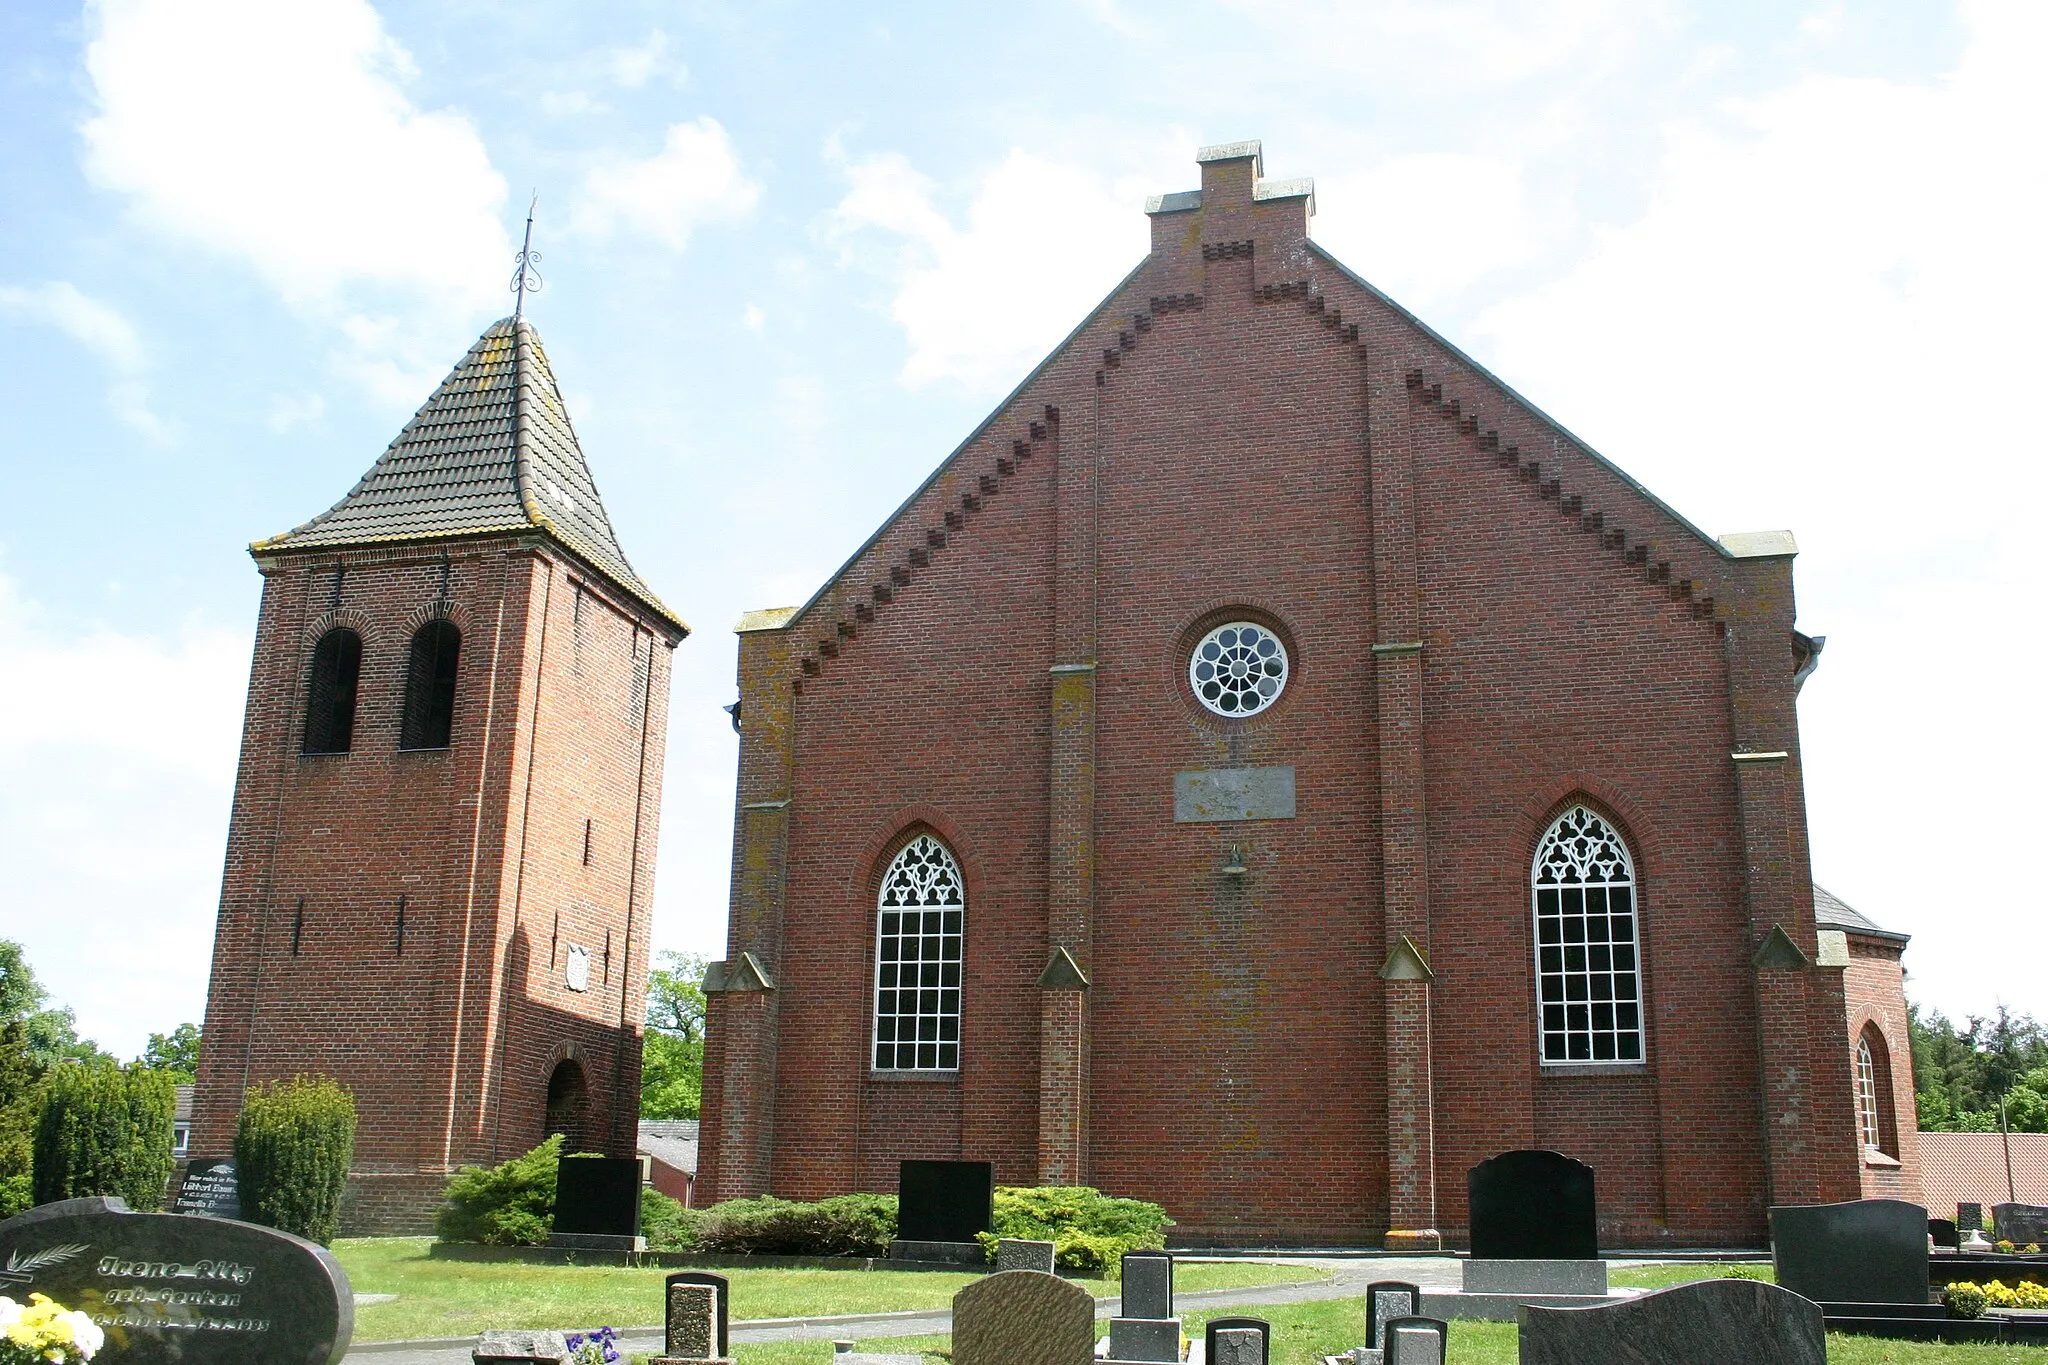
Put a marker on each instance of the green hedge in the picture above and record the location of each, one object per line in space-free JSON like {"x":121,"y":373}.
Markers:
{"x":510,"y":1204}
{"x":292,"y":1151}
{"x":666,"y":1224}
{"x":1090,"y":1231}
{"x":104,"y":1130}
{"x":849,"y":1225}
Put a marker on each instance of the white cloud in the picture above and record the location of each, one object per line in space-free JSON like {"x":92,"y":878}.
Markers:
{"x":633,"y":67}
{"x":1428,"y":226}
{"x":693,"y":180}
{"x":281,"y":134}
{"x":105,"y":332}
{"x":981,"y":302}
{"x":288,"y":410}
{"x":1827,"y":318}
{"x":117,"y":761}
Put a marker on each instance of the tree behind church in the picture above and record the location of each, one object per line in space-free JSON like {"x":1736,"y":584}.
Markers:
{"x":672,"y":1056}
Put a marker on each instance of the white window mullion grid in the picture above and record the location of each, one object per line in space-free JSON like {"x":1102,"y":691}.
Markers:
{"x":918,"y":940}
{"x":1589,"y":981}
{"x":1866,"y":1093}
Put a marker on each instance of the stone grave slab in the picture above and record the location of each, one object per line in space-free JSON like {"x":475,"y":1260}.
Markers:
{"x":520,"y":1348}
{"x":1943,"y":1233}
{"x":944,"y":1201}
{"x":209,"y":1189}
{"x":1144,"y":1339}
{"x":1237,"y":1341}
{"x":1017,"y":1253}
{"x":719,"y":1285}
{"x":1970,"y":1217}
{"x":597,"y":1204}
{"x":161,"y":1282}
{"x":1147,"y":1284}
{"x":690,"y":1336}
{"x":1534,"y":1277}
{"x":2020,"y":1224}
{"x":1712,"y":1322}
{"x":1417,"y":1341}
{"x":1532,"y":1205}
{"x":1021,"y":1317}
{"x":1861,"y":1251}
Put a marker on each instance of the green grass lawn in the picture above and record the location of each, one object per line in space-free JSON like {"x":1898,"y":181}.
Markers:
{"x":1664,"y":1276}
{"x":461,"y":1298}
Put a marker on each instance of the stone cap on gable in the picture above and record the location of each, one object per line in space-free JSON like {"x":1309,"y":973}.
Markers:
{"x":1188,"y":201}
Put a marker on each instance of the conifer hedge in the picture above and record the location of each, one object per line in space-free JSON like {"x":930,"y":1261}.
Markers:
{"x":104,"y":1130}
{"x":292,"y":1151}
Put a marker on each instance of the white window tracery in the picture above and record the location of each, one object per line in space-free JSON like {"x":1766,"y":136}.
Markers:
{"x":1866,"y":1095}
{"x":1238,"y":669}
{"x":918,"y":938}
{"x":1589,"y":982}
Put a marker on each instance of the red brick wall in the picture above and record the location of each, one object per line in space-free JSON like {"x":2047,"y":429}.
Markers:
{"x":1875,"y":989}
{"x":447,"y":1046}
{"x":1223,"y":438}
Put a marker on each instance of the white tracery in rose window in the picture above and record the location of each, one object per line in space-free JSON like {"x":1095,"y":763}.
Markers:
{"x":917,"y":960}
{"x":1239,"y":669}
{"x":1589,"y":985}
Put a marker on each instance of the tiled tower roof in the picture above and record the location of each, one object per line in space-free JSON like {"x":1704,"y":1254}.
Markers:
{"x":492,"y":450}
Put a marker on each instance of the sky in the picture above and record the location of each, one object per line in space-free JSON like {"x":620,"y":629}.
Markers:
{"x":1780,"y":261}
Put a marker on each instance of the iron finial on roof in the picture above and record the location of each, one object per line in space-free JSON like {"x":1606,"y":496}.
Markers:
{"x":527,"y":275}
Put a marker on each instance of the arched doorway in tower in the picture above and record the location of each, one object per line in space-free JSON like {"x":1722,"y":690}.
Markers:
{"x":569,"y":1106}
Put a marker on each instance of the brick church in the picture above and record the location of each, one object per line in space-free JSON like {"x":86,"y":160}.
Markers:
{"x":1268,"y":768}
{"x":441,"y":853}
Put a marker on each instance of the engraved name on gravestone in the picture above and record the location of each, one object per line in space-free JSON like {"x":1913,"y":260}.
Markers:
{"x":210,"y":1189}
{"x":1532,"y":1205}
{"x":169,"y":1287}
{"x":1860,"y":1251}
{"x":1021,"y":1317}
{"x":2020,"y":1224}
{"x":1712,"y":1322}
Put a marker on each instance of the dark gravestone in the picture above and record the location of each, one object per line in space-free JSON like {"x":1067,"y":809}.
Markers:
{"x":1237,"y":1341}
{"x":1532,"y":1206}
{"x":1863,"y":1251}
{"x":1711,"y":1322}
{"x":597,"y":1196}
{"x":209,"y":1188}
{"x":1970,"y":1218}
{"x":944,"y":1201}
{"x":168,"y":1287}
{"x":1418,"y":1341}
{"x":1943,"y":1233}
{"x":1017,"y":1253}
{"x":1386,"y":1300}
{"x":2020,"y":1224}
{"x":722,"y":1285}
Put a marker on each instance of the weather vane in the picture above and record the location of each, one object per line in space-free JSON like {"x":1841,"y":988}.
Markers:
{"x":527,"y":276}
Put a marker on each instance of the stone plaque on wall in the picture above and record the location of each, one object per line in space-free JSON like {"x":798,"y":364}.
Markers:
{"x":1211,"y":794}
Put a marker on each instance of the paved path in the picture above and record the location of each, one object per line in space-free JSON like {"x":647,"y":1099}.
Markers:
{"x":1347,"y":1280}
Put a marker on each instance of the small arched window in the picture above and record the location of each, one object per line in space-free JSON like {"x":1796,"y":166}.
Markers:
{"x":1874,"y":1123}
{"x":1589,"y":983}
{"x":331,"y":692}
{"x":918,"y":939}
{"x":429,"y":716}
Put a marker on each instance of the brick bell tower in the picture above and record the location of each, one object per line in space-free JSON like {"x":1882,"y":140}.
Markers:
{"x":441,"y":854}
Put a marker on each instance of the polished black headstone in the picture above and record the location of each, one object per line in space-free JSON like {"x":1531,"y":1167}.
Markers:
{"x":1532,"y":1206}
{"x":209,"y":1188}
{"x":1943,"y":1232}
{"x":720,"y":1284}
{"x":172,"y":1289}
{"x":598,"y":1195}
{"x":1970,"y":1218}
{"x":944,"y":1201}
{"x":1709,"y":1322}
{"x":2020,"y":1224}
{"x":1862,"y":1251}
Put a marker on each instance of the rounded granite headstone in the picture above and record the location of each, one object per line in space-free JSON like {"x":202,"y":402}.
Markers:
{"x":170,"y":1287}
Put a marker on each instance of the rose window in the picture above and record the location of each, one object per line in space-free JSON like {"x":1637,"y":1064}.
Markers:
{"x":1238,"y":669}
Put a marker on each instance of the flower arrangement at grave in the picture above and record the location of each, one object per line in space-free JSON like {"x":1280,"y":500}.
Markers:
{"x":44,"y":1332}
{"x":1968,"y":1300}
{"x":593,"y":1348}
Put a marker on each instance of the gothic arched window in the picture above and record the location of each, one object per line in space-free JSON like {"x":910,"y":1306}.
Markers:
{"x":331,"y":692}
{"x":430,"y":687}
{"x":917,"y":960}
{"x":1875,"y":1125}
{"x":1589,"y":984}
